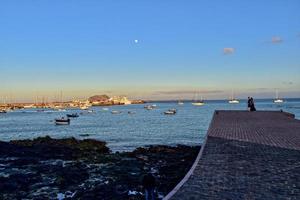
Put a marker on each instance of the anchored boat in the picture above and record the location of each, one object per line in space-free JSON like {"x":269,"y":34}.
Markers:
{"x":150,"y":107}
{"x":74,"y":115}
{"x":277,"y":99}
{"x":170,"y":112}
{"x":62,"y":121}
{"x":232,"y":99}
{"x":116,"y":112}
{"x":197,"y":102}
{"x":180,"y":103}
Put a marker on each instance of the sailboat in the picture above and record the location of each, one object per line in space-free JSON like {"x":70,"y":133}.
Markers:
{"x":180,"y":103}
{"x":197,"y":102}
{"x":277,"y":99}
{"x":232,"y":99}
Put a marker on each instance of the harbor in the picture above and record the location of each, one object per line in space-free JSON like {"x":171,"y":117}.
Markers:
{"x":126,"y":127}
{"x":96,"y":100}
{"x":150,"y":100}
{"x":243,"y":155}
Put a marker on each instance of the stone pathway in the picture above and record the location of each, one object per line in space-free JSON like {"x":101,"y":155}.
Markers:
{"x":247,"y":155}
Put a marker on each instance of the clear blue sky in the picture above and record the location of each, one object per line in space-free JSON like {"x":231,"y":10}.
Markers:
{"x":88,"y":46}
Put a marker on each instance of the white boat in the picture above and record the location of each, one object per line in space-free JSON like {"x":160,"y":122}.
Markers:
{"x":62,"y":121}
{"x":150,"y":107}
{"x":232,"y":99}
{"x":3,"y":111}
{"x":170,"y":112}
{"x":197,"y":102}
{"x":180,"y":103}
{"x":277,"y":99}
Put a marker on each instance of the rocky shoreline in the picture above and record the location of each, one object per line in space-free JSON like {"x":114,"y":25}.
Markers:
{"x":47,"y":168}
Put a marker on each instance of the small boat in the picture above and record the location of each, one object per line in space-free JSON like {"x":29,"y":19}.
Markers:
{"x":233,"y":101}
{"x":105,"y":109}
{"x":180,"y":103}
{"x":116,"y":112}
{"x":62,"y":121}
{"x":149,"y":107}
{"x":277,"y":99}
{"x":131,"y":112}
{"x":3,"y":111}
{"x":197,"y":102}
{"x":170,"y":112}
{"x":72,"y":115}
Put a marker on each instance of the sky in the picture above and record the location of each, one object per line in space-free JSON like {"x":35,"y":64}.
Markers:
{"x":149,"y":49}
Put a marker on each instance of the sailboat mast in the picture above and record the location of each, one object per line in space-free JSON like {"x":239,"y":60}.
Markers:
{"x":61,"y":99}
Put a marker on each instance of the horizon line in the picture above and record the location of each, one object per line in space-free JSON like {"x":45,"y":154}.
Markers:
{"x":158,"y":100}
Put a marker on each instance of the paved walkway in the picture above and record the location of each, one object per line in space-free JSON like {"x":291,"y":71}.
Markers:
{"x":247,"y":155}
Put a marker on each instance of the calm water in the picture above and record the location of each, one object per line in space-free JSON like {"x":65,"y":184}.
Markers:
{"x":124,"y":131}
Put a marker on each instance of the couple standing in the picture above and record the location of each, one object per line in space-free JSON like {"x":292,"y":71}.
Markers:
{"x":251,"y":106}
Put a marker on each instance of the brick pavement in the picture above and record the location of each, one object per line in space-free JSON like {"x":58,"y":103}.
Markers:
{"x":247,"y":155}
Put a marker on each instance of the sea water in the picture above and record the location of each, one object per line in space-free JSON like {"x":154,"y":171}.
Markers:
{"x":125,"y":132}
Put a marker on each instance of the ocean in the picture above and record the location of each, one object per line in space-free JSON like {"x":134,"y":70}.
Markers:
{"x":125,"y":132}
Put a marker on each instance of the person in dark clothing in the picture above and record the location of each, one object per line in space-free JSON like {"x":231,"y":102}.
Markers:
{"x":249,"y":103}
{"x":149,"y":184}
{"x":252,"y":106}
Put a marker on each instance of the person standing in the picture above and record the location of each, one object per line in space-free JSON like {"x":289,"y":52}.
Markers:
{"x":149,"y":185}
{"x":249,"y":103}
{"x":252,"y":106}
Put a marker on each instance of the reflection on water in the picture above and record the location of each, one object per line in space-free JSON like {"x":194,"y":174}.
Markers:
{"x":127,"y":131}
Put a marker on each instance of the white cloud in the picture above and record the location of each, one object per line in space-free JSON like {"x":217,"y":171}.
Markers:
{"x":276,"y":40}
{"x":228,"y":50}
{"x":287,"y":82}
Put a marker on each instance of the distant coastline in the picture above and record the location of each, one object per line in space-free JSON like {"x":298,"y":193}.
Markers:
{"x":291,"y":99}
{"x":96,"y":100}
{"x":104,"y":100}
{"x":219,"y":100}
